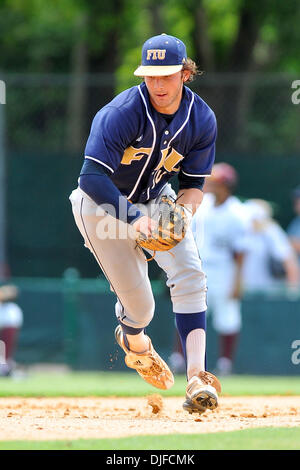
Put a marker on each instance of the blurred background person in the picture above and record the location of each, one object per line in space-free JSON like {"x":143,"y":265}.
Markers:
{"x":293,"y":229}
{"x":11,"y":320}
{"x":220,"y":230}
{"x":270,"y":259}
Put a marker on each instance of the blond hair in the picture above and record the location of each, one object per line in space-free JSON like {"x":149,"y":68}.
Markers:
{"x":192,"y":67}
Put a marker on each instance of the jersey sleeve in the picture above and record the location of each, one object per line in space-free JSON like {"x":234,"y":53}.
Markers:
{"x":239,"y":238}
{"x":278,"y":242}
{"x":111,"y":132}
{"x":199,"y":161}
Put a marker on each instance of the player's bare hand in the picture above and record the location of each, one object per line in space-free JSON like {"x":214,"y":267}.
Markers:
{"x":145,"y":226}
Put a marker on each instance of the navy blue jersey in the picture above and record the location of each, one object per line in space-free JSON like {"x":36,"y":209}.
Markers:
{"x":142,"y":151}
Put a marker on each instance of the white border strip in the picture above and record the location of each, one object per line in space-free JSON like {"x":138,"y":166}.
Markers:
{"x":153,"y":145}
{"x":187,"y":118}
{"x":101,"y":163}
{"x":178,"y":131}
{"x":189,"y":174}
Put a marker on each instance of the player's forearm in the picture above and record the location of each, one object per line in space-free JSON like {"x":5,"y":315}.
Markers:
{"x":190,"y":198}
{"x":103,"y":192}
{"x":295,"y":242}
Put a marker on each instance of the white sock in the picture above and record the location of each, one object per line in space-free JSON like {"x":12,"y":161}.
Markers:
{"x":195,"y":352}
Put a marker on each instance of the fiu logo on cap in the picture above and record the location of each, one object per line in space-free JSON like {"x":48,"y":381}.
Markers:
{"x":155,"y":54}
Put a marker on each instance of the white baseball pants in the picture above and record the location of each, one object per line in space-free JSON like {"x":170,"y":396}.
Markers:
{"x":126,"y":268}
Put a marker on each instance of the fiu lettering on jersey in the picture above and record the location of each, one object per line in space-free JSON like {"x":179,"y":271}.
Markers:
{"x":132,"y":153}
{"x":168,"y":162}
{"x":155,"y":54}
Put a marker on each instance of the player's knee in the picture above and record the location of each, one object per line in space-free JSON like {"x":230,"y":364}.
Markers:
{"x":189,"y":294}
{"x":150,"y":312}
{"x":143,"y":316}
{"x":191,"y":282}
{"x":138,"y":314}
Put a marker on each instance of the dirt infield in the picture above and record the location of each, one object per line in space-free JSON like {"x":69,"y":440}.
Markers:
{"x":89,"y":417}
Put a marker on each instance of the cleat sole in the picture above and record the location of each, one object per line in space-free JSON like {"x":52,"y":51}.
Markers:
{"x":201,"y":403}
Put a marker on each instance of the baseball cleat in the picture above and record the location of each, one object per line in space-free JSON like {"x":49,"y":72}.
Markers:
{"x":149,"y":365}
{"x":202,"y":393}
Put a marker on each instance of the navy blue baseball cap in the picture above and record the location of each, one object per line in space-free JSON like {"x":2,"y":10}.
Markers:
{"x":161,"y":55}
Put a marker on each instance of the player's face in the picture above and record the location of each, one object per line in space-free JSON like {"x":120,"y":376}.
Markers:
{"x":166,"y":91}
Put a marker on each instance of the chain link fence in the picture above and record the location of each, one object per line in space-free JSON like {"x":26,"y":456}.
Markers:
{"x":255,"y":112}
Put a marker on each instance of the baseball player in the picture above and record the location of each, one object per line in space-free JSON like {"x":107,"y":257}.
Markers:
{"x":271,"y":259}
{"x":138,"y":141}
{"x":293,"y":229}
{"x":220,"y":229}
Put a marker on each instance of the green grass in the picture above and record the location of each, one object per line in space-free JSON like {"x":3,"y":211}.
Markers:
{"x":78,"y":384}
{"x":249,"y":439}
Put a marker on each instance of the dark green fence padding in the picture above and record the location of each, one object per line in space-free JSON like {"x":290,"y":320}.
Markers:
{"x":72,"y":321}
{"x":42,"y":238}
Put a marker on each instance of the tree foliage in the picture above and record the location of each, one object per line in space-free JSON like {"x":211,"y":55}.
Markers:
{"x":221,"y":35}
{"x":80,"y":37}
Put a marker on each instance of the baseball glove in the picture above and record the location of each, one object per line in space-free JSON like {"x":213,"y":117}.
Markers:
{"x":171,"y":229}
